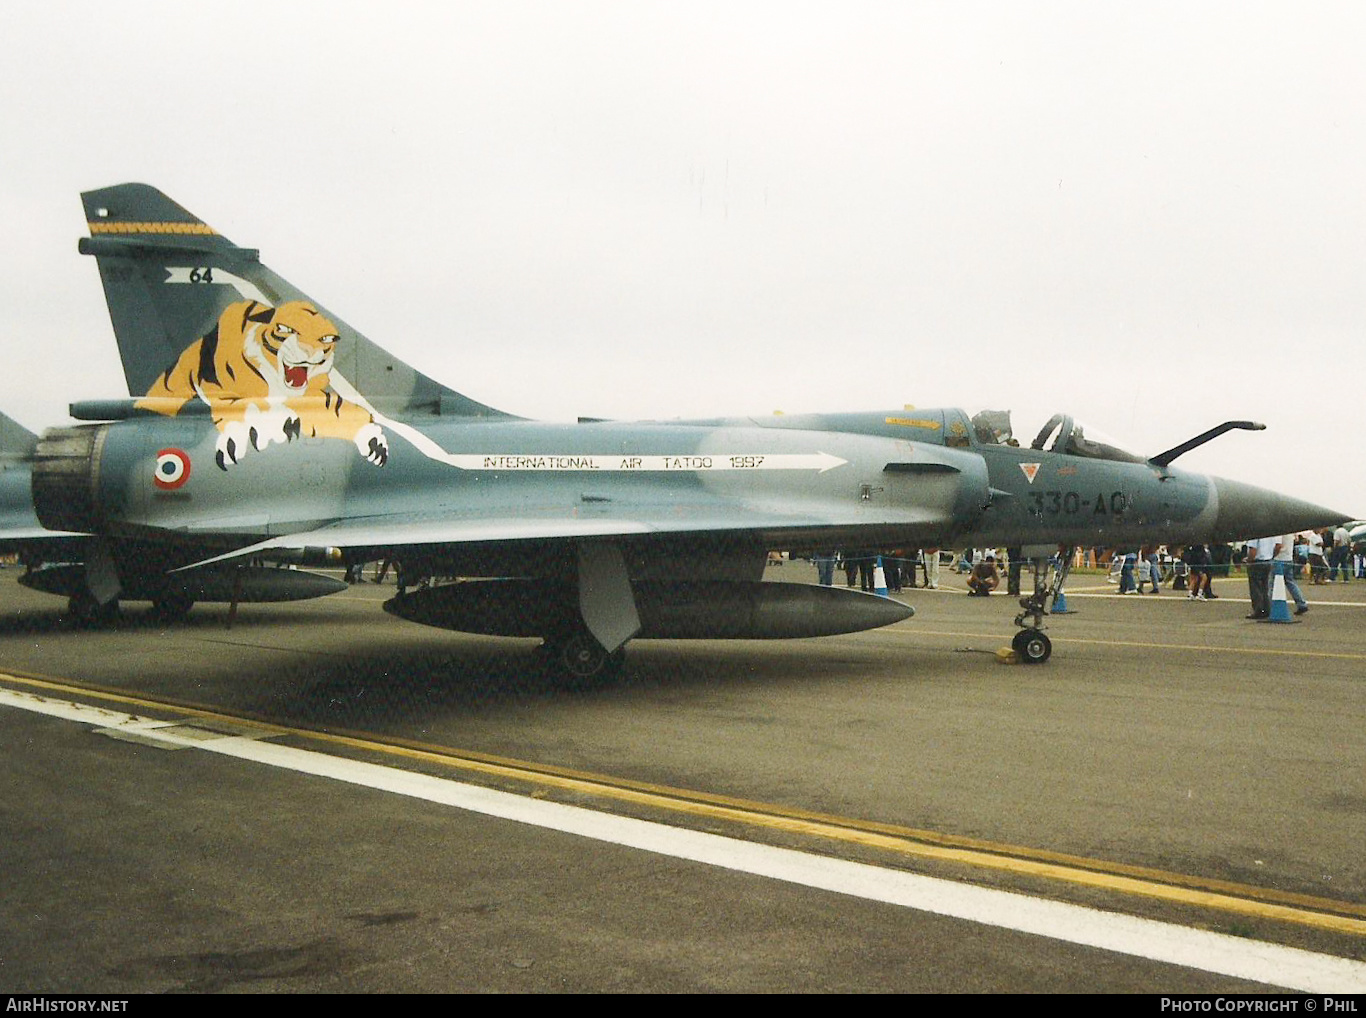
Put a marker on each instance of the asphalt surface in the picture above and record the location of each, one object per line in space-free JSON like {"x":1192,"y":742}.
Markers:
{"x":1164,"y":734}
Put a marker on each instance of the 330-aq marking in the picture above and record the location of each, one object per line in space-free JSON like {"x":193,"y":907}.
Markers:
{"x":1070,"y":503}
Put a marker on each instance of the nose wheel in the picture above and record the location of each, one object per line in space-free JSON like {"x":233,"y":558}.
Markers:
{"x":1032,"y":646}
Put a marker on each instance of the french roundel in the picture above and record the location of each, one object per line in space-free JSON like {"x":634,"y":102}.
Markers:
{"x":173,"y":469}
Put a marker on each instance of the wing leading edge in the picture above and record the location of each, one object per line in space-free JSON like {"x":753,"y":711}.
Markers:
{"x":719,"y":522}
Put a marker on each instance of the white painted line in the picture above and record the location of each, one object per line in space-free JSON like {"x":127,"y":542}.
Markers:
{"x":1270,"y":964}
{"x":1176,"y":595}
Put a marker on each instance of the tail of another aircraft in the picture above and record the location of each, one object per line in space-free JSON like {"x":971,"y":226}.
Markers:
{"x":16,"y":442}
{"x":172,"y":282}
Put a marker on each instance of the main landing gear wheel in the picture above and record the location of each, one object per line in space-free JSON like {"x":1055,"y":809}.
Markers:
{"x":84,"y":612}
{"x":172,"y":607}
{"x":1033,"y":647}
{"x":582,"y":660}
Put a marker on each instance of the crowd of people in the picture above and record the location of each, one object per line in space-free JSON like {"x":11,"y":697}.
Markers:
{"x":1323,"y":556}
{"x":1317,"y":557}
{"x":900,"y":567}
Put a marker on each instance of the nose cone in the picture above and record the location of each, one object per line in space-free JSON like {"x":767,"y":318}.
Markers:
{"x":1246,"y":511}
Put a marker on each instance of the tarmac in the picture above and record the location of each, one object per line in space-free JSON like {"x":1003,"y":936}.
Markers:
{"x":323,"y":798}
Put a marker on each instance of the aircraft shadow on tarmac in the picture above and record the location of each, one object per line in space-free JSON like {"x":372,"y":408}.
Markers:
{"x":383,"y":687}
{"x":368,"y":679}
{"x":51,"y":618}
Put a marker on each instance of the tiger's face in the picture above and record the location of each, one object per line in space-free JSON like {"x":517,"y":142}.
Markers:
{"x":296,"y":344}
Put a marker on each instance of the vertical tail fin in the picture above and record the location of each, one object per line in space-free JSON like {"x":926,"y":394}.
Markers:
{"x":16,"y":442}
{"x":168,"y":277}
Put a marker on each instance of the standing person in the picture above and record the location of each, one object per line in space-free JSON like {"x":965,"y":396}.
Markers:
{"x":1258,"y":564}
{"x":1148,"y":568}
{"x":1342,"y":555}
{"x":1126,"y":573}
{"x":1283,"y":555}
{"x":1015,"y":559}
{"x":866,"y":563}
{"x":1197,"y":559}
{"x":850,"y":568}
{"x":1318,"y":564}
{"x":825,"y":567}
{"x":891,"y":569}
{"x":932,"y":568}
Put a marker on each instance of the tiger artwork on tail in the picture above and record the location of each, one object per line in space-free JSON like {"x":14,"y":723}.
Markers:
{"x":265,"y":373}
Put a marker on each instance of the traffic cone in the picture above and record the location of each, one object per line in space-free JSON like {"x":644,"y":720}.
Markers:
{"x":1280,"y":611}
{"x":879,"y":579}
{"x":1060,"y":605}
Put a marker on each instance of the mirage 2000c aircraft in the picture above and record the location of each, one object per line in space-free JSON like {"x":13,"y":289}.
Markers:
{"x":264,"y":427}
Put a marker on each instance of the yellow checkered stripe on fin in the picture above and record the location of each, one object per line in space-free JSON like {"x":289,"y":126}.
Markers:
{"x":103,"y":227}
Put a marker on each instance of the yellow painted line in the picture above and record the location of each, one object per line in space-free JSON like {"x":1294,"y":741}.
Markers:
{"x":1224,"y":896}
{"x":114,"y":696}
{"x":1170,"y":596}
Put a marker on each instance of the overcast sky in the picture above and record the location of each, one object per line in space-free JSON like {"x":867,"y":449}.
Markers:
{"x":1150,"y":215}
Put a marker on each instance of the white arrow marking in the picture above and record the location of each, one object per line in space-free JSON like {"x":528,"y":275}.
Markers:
{"x":696,"y":462}
{"x":703,"y":462}
{"x":205,"y":274}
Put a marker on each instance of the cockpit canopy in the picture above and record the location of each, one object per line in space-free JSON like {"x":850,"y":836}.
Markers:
{"x":1060,"y":433}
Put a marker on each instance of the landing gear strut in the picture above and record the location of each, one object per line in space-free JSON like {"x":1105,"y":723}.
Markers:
{"x":1030,"y":643}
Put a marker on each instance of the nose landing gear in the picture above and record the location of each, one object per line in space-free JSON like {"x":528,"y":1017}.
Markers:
{"x":1030,"y":643}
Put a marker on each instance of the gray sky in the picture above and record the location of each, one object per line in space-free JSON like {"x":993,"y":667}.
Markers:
{"x":1150,"y":215}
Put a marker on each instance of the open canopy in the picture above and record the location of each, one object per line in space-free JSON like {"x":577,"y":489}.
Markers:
{"x":1059,"y":433}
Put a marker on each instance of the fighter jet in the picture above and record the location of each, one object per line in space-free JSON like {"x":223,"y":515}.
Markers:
{"x":267,"y":428}
{"x":19,"y":526}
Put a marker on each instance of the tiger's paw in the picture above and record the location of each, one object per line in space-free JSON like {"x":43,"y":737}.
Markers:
{"x":233,"y":440}
{"x":267,"y":426}
{"x":371,"y":443}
